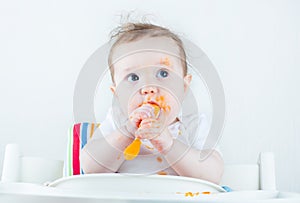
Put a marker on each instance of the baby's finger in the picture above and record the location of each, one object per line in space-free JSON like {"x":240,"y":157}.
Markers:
{"x":147,"y":122}
{"x":147,"y":133}
{"x":137,"y":116}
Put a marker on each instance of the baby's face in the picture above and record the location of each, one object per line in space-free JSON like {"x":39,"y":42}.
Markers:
{"x":150,"y":76}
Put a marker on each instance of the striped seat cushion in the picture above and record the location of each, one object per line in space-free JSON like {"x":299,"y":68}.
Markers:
{"x":79,"y":134}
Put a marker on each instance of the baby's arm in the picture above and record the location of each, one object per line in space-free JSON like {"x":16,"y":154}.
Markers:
{"x":104,"y":155}
{"x":186,"y":161}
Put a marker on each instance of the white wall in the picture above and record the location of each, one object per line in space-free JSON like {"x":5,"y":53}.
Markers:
{"x":255,"y":45}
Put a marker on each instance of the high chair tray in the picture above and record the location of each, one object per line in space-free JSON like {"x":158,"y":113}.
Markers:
{"x":133,"y":183}
{"x":31,"y":193}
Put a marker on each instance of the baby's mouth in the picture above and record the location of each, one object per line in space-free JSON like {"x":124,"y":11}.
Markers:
{"x":157,"y":102}
{"x":153,"y":103}
{"x":150,"y":101}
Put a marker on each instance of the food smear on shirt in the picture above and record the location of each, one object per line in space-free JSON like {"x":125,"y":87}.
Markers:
{"x":162,"y":173}
{"x":132,"y":150}
{"x":159,"y":159}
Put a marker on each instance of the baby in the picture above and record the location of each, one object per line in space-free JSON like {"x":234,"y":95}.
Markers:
{"x":149,"y":83}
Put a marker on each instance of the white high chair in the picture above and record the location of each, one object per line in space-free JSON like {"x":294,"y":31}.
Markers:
{"x":18,"y":168}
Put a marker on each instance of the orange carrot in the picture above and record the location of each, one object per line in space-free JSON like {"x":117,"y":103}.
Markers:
{"x":133,"y":149}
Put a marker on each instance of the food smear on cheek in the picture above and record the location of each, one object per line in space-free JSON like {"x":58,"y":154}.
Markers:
{"x":162,"y":103}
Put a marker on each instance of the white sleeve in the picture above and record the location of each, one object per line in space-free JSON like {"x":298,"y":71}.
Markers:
{"x":199,"y":131}
{"x":107,"y":126}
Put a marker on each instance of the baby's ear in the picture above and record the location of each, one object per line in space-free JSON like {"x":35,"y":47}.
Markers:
{"x":187,"y":80}
{"x":113,"y":89}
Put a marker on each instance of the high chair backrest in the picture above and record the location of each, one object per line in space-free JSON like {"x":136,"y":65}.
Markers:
{"x":79,"y":134}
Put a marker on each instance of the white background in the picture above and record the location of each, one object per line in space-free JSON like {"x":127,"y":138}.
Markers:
{"x":255,"y":46}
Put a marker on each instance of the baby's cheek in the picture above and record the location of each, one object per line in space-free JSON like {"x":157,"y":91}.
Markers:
{"x":173,"y":111}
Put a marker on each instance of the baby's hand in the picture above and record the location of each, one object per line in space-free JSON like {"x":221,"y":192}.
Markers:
{"x":136,"y":118}
{"x":157,"y":132}
{"x":149,"y":128}
{"x":150,"y":125}
{"x":141,"y":113}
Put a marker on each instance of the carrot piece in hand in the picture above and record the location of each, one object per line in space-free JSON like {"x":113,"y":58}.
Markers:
{"x":132,"y":150}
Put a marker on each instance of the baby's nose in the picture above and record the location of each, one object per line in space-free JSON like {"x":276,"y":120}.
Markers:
{"x":148,"y":90}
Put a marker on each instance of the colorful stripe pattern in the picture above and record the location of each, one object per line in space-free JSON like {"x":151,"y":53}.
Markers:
{"x":79,"y":135}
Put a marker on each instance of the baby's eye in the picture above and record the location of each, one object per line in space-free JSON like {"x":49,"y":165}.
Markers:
{"x":162,"y":73}
{"x":132,"y":77}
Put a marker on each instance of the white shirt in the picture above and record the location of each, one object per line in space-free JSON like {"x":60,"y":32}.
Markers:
{"x":193,"y":132}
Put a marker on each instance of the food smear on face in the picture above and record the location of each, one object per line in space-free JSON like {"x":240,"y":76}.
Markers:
{"x":132,"y":150}
{"x":162,"y":103}
{"x":156,"y":110}
{"x":159,"y":102}
{"x":165,"y":61}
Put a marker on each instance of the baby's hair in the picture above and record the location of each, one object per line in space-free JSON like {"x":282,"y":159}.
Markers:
{"x":131,"y":31}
